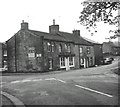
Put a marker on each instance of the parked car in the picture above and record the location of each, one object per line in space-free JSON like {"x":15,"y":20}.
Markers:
{"x":108,"y":60}
{"x":3,"y":69}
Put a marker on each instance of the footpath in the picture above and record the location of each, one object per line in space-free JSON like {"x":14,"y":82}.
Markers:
{"x":6,"y":102}
{"x":10,"y":101}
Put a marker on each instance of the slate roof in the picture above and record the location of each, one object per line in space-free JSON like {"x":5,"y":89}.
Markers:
{"x":76,"y":39}
{"x":91,"y":41}
{"x":48,"y":35}
{"x":62,"y":36}
{"x":111,"y":44}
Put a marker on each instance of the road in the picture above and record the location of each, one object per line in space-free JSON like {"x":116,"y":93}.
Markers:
{"x":92,"y":86}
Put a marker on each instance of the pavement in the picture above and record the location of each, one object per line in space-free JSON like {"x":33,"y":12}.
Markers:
{"x":10,"y":100}
{"x":6,"y":102}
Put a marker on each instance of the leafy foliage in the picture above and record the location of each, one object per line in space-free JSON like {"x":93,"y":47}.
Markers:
{"x":95,"y":11}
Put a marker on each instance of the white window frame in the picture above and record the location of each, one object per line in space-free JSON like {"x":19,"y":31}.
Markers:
{"x":81,"y":50}
{"x":88,"y":50}
{"x":49,"y":47}
{"x":72,"y":62}
{"x":52,"y":47}
{"x":81,"y":61}
{"x":62,"y":66}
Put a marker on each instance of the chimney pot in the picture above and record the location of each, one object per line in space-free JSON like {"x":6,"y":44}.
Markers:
{"x":24,"y":25}
{"x":76,"y":32}
{"x":53,"y":21}
{"x":54,"y":28}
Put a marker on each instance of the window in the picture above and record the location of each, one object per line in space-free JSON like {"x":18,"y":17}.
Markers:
{"x":49,"y":46}
{"x":62,"y":62}
{"x":91,"y":61}
{"x":88,"y":50}
{"x":45,"y":46}
{"x":71,"y":61}
{"x":67,"y":47}
{"x":82,"y":61}
{"x":50,"y":64}
{"x":31,"y":53}
{"x":81,"y":50}
{"x":60,"y":48}
{"x":52,"y":47}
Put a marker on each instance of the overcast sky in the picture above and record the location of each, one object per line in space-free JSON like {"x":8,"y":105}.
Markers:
{"x":40,"y":14}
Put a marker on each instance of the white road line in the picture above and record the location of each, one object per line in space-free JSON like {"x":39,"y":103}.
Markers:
{"x":94,"y":91}
{"x":50,"y":79}
{"x":26,"y":80}
{"x":15,"y":82}
{"x":61,"y":80}
{"x":2,"y":82}
{"x":37,"y":80}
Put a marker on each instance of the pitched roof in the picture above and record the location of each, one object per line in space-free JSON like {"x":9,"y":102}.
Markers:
{"x":111,"y":44}
{"x":76,"y":39}
{"x":91,"y":41}
{"x":61,"y":36}
{"x":48,"y":35}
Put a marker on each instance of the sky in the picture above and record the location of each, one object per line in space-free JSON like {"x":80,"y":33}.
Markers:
{"x":40,"y":14}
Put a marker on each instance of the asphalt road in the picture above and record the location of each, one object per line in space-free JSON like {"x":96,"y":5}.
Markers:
{"x":92,"y":86}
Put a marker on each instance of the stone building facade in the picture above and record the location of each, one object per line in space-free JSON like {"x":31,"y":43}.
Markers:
{"x":36,"y":51}
{"x":98,"y":51}
{"x":109,"y":48}
{"x":1,"y":55}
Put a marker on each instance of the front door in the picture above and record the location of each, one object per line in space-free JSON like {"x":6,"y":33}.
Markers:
{"x":67,"y":63}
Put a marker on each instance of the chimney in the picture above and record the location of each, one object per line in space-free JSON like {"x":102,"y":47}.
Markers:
{"x":24,"y":25}
{"x":54,"y":28}
{"x":76,"y":32}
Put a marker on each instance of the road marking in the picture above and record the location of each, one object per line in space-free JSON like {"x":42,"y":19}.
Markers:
{"x":15,"y":82}
{"x":37,"y":80}
{"x":61,"y":80}
{"x":50,"y":79}
{"x":26,"y":80}
{"x":94,"y":91}
{"x":2,"y":82}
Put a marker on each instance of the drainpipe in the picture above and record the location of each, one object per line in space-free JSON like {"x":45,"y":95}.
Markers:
{"x":15,"y":56}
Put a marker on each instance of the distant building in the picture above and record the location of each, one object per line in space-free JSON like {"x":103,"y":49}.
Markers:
{"x":3,"y":55}
{"x":98,"y":51}
{"x":4,"y":49}
{"x":36,"y":51}
{"x":109,"y":48}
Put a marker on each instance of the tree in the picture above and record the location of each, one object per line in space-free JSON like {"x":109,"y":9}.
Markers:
{"x":100,"y":10}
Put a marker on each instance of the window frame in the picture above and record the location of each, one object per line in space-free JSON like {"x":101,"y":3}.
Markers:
{"x":81,"y":50}
{"x":81,"y":60}
{"x":48,"y":46}
{"x":88,"y":50}
{"x":52,"y":47}
{"x":62,"y":62}
{"x":68,"y":47}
